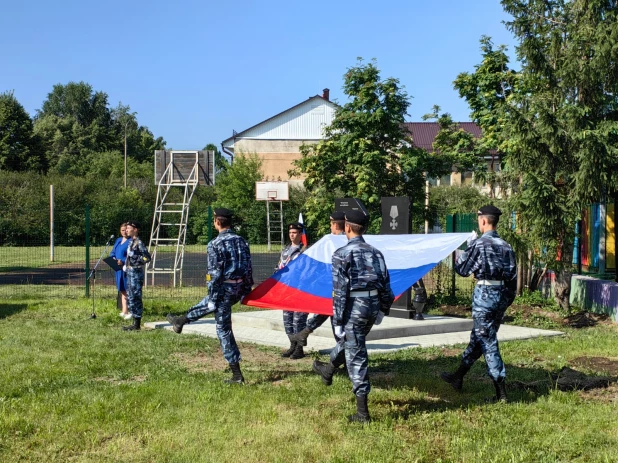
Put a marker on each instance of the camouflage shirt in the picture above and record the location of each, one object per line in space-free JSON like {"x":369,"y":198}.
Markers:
{"x":289,"y":253}
{"x":488,"y":258}
{"x":358,"y":266}
{"x":137,"y":254}
{"x":229,"y":258}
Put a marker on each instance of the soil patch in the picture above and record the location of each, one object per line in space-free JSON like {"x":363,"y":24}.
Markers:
{"x":461,"y":311}
{"x":606,"y":395}
{"x":598,"y":364}
{"x":200,"y":362}
{"x":448,"y":352}
{"x":530,"y":314}
{"x":253,"y":357}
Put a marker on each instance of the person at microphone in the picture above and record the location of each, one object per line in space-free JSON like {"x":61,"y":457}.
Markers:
{"x":137,"y":258}
{"x":119,"y":252}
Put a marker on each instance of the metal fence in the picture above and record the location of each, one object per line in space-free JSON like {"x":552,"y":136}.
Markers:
{"x":33,"y":266}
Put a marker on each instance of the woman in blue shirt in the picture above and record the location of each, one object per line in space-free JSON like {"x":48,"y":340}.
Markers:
{"x":119,"y":252}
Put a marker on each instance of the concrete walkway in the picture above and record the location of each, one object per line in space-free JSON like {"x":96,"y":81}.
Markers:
{"x":266,"y":327}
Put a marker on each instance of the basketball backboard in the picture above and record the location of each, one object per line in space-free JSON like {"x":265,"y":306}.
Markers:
{"x":272,"y":191}
{"x":183,"y":163}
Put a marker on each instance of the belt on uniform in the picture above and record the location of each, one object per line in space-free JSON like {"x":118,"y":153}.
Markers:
{"x":490,"y":282}
{"x":233,"y":281}
{"x":373,"y":292}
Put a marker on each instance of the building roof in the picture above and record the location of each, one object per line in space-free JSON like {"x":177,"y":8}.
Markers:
{"x":230,"y":141}
{"x":424,"y":133}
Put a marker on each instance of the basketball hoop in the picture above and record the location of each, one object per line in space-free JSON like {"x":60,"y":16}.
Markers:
{"x":272,"y":191}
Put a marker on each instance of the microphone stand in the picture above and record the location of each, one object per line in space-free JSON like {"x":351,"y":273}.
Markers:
{"x":92,"y":277}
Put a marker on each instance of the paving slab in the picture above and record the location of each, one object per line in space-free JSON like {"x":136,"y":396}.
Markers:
{"x":389,"y":328}
{"x":267,"y":331}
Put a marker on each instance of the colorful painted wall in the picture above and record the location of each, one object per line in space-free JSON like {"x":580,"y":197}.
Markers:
{"x":592,"y":226}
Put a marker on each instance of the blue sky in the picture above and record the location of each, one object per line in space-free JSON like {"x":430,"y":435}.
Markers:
{"x":196,"y":70}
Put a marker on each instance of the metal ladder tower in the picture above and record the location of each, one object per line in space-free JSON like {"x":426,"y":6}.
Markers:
{"x":274,"y":222}
{"x":168,"y":214}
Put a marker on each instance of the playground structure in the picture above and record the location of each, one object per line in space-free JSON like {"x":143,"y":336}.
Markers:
{"x":179,"y":171}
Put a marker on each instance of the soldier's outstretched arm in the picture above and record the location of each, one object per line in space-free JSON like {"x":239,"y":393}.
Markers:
{"x":468,"y":262}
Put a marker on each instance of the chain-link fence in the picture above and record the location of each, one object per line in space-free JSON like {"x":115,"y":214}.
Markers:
{"x":32,"y":265}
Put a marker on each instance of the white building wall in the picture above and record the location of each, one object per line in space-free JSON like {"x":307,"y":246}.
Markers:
{"x":305,"y":122}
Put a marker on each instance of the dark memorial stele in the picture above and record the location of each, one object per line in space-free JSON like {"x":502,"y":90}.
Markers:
{"x":396,"y":221}
{"x":395,"y":216}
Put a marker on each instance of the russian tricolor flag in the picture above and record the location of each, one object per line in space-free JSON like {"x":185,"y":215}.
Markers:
{"x":303,"y":237}
{"x":305,"y":284}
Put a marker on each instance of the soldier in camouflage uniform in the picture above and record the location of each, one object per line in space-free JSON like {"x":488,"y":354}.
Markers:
{"x":137,"y":258}
{"x":229,"y":278}
{"x":294,"y":322}
{"x":492,"y":261}
{"x":337,"y":222}
{"x":362,"y":295}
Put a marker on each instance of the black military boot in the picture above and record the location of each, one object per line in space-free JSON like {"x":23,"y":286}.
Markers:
{"x":362,"y":412}
{"x":177,"y":322}
{"x":135,"y":326}
{"x":325,"y":370}
{"x":500,"y":387}
{"x":291,"y":350}
{"x":298,"y":352}
{"x":302,"y":336}
{"x":456,"y":379}
{"x":237,"y":377}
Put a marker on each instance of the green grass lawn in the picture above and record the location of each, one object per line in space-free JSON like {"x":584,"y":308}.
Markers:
{"x":75,"y":389}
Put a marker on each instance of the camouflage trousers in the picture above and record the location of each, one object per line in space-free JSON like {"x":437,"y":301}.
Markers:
{"x":488,"y":306}
{"x":223,"y":319}
{"x":352,"y":348}
{"x":294,"y":322}
{"x":134,"y":280}
{"x":316,"y":321}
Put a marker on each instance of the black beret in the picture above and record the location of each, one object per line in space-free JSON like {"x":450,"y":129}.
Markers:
{"x":223,"y":212}
{"x":337,"y":216}
{"x":295,"y":226}
{"x":134,"y":224}
{"x":357,"y":217}
{"x":490,"y":210}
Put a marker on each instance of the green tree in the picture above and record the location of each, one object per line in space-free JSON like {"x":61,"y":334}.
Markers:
{"x":562,"y":123}
{"x":19,"y":147}
{"x":235,"y":189}
{"x":456,"y":147}
{"x":556,"y":120}
{"x":486,"y":91}
{"x":75,"y":123}
{"x":146,"y":144}
{"x":367,"y":153}
{"x":221,"y":164}
{"x":140,"y":141}
{"x":448,"y":200}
